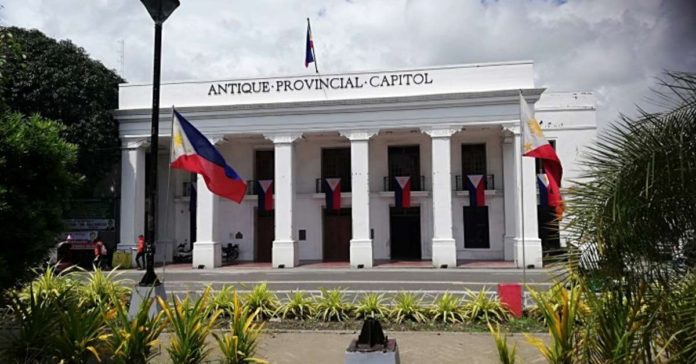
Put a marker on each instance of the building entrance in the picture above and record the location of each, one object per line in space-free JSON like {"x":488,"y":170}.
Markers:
{"x":337,"y":234}
{"x":404,"y":229}
{"x":265,"y":233}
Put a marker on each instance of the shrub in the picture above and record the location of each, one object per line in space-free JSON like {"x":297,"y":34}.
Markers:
{"x":505,"y":355}
{"x":371,"y":305}
{"x":131,"y":340}
{"x":331,"y":305}
{"x":407,"y":307}
{"x":298,"y":306}
{"x":480,"y":306}
{"x":78,"y":334}
{"x":447,"y":308}
{"x":263,"y":300}
{"x":238,"y":345}
{"x":104,"y":288}
{"x":223,"y":300}
{"x":190,"y":323}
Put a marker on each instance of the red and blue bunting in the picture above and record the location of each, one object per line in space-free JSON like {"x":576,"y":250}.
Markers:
{"x":402,"y":191}
{"x":476,"y":185}
{"x":264,"y":190}
{"x":332,"y":190}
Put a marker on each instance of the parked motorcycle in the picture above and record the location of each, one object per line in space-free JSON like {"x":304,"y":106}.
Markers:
{"x":183,"y":254}
{"x":230,"y":252}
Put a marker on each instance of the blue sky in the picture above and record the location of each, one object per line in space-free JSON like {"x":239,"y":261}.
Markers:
{"x":614,"y":48}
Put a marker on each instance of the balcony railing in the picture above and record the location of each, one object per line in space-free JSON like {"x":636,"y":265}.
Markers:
{"x":319,"y":187}
{"x":459,"y":183}
{"x":417,"y":184}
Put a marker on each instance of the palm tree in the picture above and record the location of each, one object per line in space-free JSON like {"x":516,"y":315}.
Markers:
{"x":632,"y":219}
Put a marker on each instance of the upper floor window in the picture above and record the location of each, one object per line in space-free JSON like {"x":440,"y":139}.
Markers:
{"x":473,"y":159}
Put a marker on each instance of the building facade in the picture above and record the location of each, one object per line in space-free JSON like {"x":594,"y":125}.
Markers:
{"x":435,"y":125}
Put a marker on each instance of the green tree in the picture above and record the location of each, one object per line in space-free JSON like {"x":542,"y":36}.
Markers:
{"x":58,"y":80}
{"x":35,"y":182}
{"x":633,"y":218}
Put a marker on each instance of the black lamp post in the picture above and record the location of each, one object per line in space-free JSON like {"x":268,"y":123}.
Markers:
{"x":159,"y":10}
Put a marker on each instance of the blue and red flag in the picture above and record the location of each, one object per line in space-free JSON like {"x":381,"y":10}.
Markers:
{"x":332,"y":190}
{"x":264,"y":190}
{"x":191,"y":151}
{"x":535,"y":145}
{"x":309,"y":51}
{"x":402,"y":191}
{"x":543,"y":183}
{"x":476,"y":184}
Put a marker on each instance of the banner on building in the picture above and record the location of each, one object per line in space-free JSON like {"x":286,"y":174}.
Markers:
{"x":332,"y":190}
{"x":264,"y":190}
{"x":476,"y":185}
{"x":402,"y":191}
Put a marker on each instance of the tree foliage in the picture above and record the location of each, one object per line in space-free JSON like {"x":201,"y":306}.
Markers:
{"x":35,"y":182}
{"x":58,"y":80}
{"x":633,"y":218}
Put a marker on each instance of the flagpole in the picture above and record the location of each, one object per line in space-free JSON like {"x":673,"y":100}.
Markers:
{"x":524,"y":253}
{"x":314,"y":54}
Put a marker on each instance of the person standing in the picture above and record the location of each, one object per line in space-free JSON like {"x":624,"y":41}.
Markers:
{"x":99,"y":253}
{"x":140,"y":256}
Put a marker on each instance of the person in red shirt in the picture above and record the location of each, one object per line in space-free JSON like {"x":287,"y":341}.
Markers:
{"x":140,"y":245}
{"x":99,"y":253}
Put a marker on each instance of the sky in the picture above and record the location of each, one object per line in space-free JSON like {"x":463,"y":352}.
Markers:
{"x":618,"y":49}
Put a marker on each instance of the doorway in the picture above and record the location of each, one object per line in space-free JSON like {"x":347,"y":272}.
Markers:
{"x":265,"y":233}
{"x":337,"y":234}
{"x":405,"y":233}
{"x":548,"y":229}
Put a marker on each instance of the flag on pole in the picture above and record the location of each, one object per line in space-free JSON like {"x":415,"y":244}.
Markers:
{"x":332,"y":190}
{"x":402,"y":192}
{"x":309,"y":51}
{"x":264,"y":190}
{"x":543,"y":183}
{"x":191,"y":151}
{"x":476,"y":184}
{"x":535,"y":145}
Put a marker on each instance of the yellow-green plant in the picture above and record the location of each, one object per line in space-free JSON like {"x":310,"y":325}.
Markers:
{"x":480,"y":306}
{"x":262,"y":299}
{"x":49,"y":285}
{"x":562,"y":323}
{"x":505,"y":354}
{"x":78,"y":334}
{"x":101,"y":287}
{"x":407,"y":307}
{"x":372,"y":305}
{"x":331,"y":305}
{"x":238,"y":344}
{"x":299,"y":306}
{"x":131,"y":340}
{"x":447,"y":308}
{"x":223,"y":300}
{"x":190,"y":322}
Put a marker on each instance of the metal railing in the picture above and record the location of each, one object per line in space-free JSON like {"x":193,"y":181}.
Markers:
{"x":417,"y":184}
{"x":459,"y":183}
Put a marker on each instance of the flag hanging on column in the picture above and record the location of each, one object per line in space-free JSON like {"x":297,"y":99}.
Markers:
{"x":191,"y":151}
{"x":402,"y":191}
{"x":535,"y":145}
{"x":476,"y":184}
{"x":264,"y":190}
{"x":332,"y":190}
{"x":543,"y":183}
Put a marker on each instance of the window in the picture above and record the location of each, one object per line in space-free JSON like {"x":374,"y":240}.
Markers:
{"x":335,"y":163}
{"x":405,"y":161}
{"x":264,"y":167}
{"x":476,"y":227}
{"x":540,"y":163}
{"x":473,"y":159}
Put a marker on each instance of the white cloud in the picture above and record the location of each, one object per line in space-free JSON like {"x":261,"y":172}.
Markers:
{"x":614,"y":48}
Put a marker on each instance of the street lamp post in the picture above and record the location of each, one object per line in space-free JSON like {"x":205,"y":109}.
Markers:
{"x":159,"y":10}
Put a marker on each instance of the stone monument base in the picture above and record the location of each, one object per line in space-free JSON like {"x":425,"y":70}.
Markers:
{"x":142,"y":293}
{"x":379,"y":354}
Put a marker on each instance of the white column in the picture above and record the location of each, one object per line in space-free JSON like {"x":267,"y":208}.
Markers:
{"x":360,"y":244}
{"x":285,"y":251}
{"x":207,"y":250}
{"x":524,"y":233}
{"x":443,"y":244}
{"x":132,"y":221}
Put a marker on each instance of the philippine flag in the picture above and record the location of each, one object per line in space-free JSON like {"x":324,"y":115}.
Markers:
{"x":309,"y":50}
{"x":476,"y":184}
{"x":535,"y":145}
{"x":264,"y":190}
{"x":543,"y":183}
{"x":402,"y":192}
{"x":332,"y":190}
{"x":191,"y":151}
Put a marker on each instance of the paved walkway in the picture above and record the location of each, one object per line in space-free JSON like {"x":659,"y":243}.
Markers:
{"x":309,"y":347}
